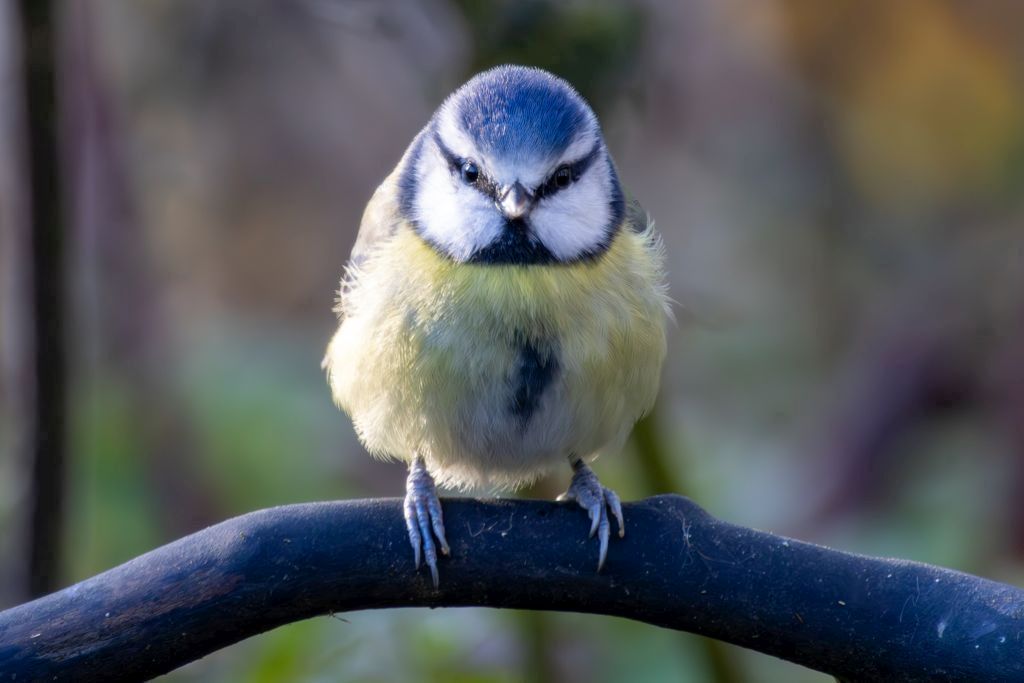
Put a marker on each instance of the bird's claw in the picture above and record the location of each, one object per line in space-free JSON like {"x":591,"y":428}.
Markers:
{"x":423,"y":517}
{"x":597,"y":500}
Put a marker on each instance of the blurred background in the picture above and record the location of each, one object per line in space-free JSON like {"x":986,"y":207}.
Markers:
{"x":840,"y":187}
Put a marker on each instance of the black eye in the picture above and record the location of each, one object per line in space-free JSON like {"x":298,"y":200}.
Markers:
{"x":563,"y":177}
{"x":470,"y":172}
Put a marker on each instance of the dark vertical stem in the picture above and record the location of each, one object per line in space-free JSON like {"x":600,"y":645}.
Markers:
{"x":539,"y":633}
{"x":1010,"y":401}
{"x":660,"y":472}
{"x":540,"y":638}
{"x":47,"y":442}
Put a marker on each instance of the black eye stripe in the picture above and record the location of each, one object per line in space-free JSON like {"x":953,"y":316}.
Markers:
{"x":483,"y":184}
{"x":576,"y":170}
{"x":454,"y":161}
{"x":489,"y":188}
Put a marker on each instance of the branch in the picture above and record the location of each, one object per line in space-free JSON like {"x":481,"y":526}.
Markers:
{"x":855,"y":617}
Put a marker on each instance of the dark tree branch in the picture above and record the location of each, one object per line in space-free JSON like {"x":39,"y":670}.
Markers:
{"x":859,"y":618}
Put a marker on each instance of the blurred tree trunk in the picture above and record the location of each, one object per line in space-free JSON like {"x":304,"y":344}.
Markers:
{"x":47,"y":443}
{"x":16,"y":374}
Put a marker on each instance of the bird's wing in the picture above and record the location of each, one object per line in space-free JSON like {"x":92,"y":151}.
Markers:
{"x":381,"y":220}
{"x":637,"y":218}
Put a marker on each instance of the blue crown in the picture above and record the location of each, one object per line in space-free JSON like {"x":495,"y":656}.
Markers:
{"x":510,"y":111}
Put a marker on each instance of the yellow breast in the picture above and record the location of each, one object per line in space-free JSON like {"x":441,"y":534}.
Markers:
{"x":435,"y":357}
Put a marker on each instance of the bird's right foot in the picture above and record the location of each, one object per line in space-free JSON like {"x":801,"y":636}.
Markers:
{"x":423,"y":516}
{"x":599,"y":502}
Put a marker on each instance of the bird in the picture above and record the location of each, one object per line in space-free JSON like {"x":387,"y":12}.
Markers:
{"x":503,"y":311}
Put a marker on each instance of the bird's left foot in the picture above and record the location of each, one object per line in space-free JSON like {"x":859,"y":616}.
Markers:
{"x":598,"y":501}
{"x":423,"y":518}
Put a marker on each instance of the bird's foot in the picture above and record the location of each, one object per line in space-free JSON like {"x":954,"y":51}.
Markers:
{"x":423,"y":516}
{"x":598,"y":501}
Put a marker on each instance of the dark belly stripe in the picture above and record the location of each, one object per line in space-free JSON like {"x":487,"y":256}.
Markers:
{"x":535,"y":374}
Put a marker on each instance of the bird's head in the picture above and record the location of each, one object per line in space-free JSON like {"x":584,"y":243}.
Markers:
{"x":512,"y":169}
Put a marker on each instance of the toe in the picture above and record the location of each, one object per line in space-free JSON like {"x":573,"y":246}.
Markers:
{"x":594,"y":511}
{"x":437,"y":522}
{"x":601,"y":505}
{"x":602,"y":535}
{"x":615,"y":505}
{"x":423,"y":519}
{"x":412,"y":525}
{"x":433,"y":573}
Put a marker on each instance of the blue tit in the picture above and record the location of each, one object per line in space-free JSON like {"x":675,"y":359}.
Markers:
{"x":504,"y":307}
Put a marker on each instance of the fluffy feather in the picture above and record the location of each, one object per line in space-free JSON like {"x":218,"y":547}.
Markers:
{"x":495,"y":369}
{"x":426,"y":358}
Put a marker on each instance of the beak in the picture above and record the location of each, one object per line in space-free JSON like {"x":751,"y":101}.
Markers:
{"x":516,"y":201}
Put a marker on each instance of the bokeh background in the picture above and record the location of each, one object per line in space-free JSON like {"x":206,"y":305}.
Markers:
{"x":840,"y":186}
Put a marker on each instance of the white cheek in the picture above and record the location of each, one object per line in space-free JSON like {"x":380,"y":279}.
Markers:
{"x":454,"y":216}
{"x":575,"y":220}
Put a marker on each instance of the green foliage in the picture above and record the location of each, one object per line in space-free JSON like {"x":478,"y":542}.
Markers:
{"x":111,"y":512}
{"x":592,"y":45}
